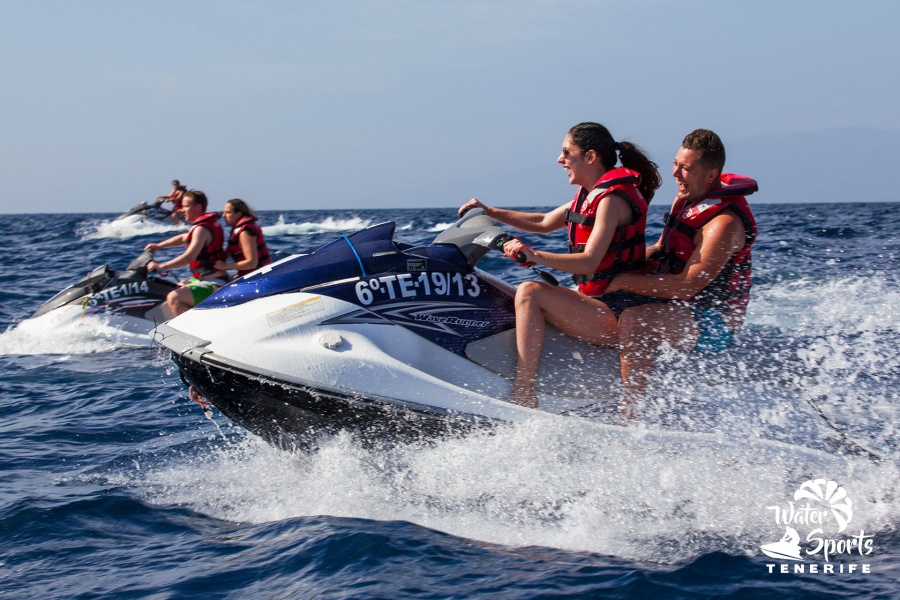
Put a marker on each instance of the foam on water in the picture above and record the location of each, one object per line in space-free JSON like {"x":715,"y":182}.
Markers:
{"x":439,"y":227}
{"x":845,"y":333}
{"x":66,"y":332}
{"x":846,"y":304}
{"x":632,"y":493}
{"x":128,"y":227}
{"x":306,"y":228}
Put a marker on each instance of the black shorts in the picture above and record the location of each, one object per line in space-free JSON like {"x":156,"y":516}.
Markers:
{"x":620,"y":300}
{"x":715,"y":336}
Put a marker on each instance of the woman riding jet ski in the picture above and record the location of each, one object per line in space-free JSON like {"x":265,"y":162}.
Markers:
{"x":371,"y":334}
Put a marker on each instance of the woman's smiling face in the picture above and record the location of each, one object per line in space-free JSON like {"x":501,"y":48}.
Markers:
{"x":577,"y":163}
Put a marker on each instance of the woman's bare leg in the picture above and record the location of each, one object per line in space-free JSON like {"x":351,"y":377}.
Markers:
{"x":576,"y":315}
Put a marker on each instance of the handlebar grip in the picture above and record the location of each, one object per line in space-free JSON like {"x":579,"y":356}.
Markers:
{"x":501,"y":239}
{"x":497,"y":242}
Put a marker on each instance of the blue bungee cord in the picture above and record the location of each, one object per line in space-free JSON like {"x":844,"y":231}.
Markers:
{"x":356,"y":254}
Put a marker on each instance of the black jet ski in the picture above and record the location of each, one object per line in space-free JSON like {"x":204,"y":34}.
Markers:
{"x":370,"y":334}
{"x":150,"y":211}
{"x":132,"y":300}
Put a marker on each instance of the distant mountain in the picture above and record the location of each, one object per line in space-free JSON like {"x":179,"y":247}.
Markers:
{"x":834,"y":165}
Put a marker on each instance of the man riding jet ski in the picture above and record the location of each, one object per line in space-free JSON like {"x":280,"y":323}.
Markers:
{"x":155,"y":211}
{"x":370,"y":334}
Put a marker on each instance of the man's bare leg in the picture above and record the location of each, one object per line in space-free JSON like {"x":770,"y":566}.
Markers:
{"x":642,"y":330}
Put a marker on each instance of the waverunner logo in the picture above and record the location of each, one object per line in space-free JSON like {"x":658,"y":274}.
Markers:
{"x":824,"y":509}
{"x":417,"y":315}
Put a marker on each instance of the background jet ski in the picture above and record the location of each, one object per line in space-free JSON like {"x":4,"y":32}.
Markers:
{"x":370,"y":334}
{"x":149,"y":211}
{"x":131,"y":300}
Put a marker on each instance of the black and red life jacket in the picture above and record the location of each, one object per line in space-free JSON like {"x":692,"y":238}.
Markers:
{"x":730,"y":290}
{"x":234,"y":243}
{"x":627,"y":250}
{"x":203,"y":265}
{"x":176,"y":196}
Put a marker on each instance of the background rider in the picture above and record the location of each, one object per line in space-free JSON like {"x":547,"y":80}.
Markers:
{"x":176,"y":196}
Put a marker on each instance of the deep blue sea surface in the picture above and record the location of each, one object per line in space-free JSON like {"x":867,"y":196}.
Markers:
{"x":113,"y":484}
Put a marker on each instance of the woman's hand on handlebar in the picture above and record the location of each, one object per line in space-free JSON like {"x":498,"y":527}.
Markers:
{"x":473,"y":203}
{"x":517,"y":250}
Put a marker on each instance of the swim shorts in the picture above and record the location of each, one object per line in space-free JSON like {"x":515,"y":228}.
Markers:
{"x":620,"y":300}
{"x":715,"y":335}
{"x":201,"y":289}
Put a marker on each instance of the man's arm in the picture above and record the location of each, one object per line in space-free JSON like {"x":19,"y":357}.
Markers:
{"x":201,"y":238}
{"x":654,"y":247}
{"x":176,"y":240}
{"x":716,"y":243}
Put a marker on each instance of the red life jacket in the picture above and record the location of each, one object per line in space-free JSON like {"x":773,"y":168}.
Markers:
{"x":176,"y":196}
{"x":627,"y":249}
{"x":730,"y":290}
{"x":234,"y":243}
{"x":203,"y":265}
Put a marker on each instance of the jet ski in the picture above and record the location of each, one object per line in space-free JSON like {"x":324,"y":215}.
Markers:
{"x":150,"y":211}
{"x":132,"y":300}
{"x":380,"y":337}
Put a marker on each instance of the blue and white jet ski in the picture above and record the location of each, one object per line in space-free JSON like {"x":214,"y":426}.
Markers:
{"x":370,"y":334}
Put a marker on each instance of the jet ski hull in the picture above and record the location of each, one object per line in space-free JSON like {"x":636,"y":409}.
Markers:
{"x":288,"y":412}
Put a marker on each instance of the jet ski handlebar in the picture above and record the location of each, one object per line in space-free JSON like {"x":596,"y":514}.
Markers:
{"x":498,"y":242}
{"x":475,"y":234}
{"x":139,"y":264}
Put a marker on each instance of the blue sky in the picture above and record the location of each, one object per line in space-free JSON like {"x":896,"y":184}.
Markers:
{"x":380,"y":104}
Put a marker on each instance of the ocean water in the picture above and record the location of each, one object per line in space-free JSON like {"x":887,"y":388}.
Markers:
{"x":114,"y":485}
